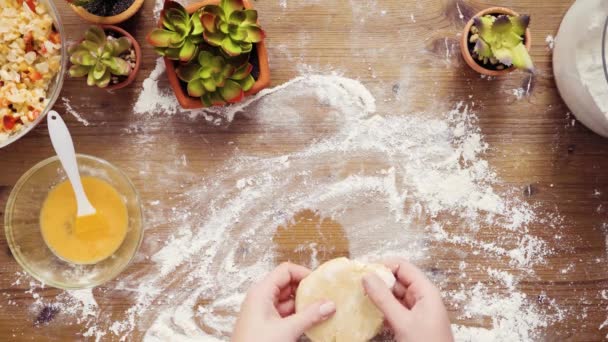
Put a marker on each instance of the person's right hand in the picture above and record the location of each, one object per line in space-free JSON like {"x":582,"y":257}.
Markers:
{"x":413,"y":309}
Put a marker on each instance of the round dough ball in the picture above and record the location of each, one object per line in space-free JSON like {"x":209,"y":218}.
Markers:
{"x":340,"y":280}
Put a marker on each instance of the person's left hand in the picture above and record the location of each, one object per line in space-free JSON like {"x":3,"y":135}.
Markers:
{"x":268,"y":312}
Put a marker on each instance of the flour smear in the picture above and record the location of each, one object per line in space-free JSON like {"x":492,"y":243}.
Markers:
{"x":412,"y":181}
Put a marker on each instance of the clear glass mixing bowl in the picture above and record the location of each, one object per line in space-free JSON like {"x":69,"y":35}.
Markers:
{"x":56,"y":84}
{"x":25,"y":239}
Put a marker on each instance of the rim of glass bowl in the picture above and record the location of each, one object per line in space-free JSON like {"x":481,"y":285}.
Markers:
{"x":58,"y":80}
{"x":604,"y":37}
{"x":8,"y":214}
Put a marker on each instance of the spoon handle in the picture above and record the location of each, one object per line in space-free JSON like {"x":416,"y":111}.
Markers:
{"x":64,"y":147}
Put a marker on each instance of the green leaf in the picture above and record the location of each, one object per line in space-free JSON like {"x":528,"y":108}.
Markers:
{"x":209,"y":85}
{"x":92,"y":47}
{"x":83,"y":57}
{"x":503,"y":55}
{"x":247,"y":83}
{"x":522,"y":59}
{"x":104,"y":80}
{"x":118,"y":66}
{"x":96,"y":35}
{"x":188,"y":51}
{"x":197,"y":26}
{"x":216,"y":99}
{"x":484,"y":25}
{"x":520,"y":24}
{"x":230,"y":47}
{"x":206,"y":100}
{"x":195,"y":88}
{"x":215,"y":10}
{"x":254,"y":34}
{"x":204,"y":58}
{"x":79,"y":70}
{"x":230,"y":6}
{"x":172,"y":54}
{"x":214,"y":39}
{"x":246,"y":47}
{"x":237,"y":18}
{"x":99,"y":70}
{"x":209,"y":21}
{"x":251,"y":16}
{"x":162,"y":38}
{"x":121,"y":45}
{"x":242,"y":72}
{"x":482,"y":48}
{"x":231,"y":92}
{"x":188,"y":72}
{"x":238,"y":33}
{"x":90,"y":79}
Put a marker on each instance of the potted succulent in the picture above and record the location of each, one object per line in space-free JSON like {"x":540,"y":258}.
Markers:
{"x":496,"y":41}
{"x":214,"y":51}
{"x":108,"y":56}
{"x":106,"y":12}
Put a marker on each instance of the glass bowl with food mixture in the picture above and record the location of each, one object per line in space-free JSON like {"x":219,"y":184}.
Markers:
{"x":33,"y":59}
{"x":36,"y":250}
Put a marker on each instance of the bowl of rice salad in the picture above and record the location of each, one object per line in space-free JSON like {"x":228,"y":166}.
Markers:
{"x":32,"y":64}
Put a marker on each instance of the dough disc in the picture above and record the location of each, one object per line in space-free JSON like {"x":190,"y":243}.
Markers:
{"x":356,"y":319}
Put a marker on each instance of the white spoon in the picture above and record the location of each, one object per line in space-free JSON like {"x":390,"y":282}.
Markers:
{"x":64,"y":147}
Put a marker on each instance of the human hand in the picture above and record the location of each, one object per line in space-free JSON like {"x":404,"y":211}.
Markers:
{"x":413,"y":309}
{"x":268,"y":311}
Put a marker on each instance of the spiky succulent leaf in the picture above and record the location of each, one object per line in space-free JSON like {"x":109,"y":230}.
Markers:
{"x":522,"y":59}
{"x":501,"y":38}
{"x":482,"y":49}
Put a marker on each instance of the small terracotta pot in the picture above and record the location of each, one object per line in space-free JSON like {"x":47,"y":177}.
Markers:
{"x":137,"y":49}
{"x":464,"y":43}
{"x":189,"y":102}
{"x":111,"y":20}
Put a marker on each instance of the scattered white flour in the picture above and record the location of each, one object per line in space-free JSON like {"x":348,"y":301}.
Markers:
{"x":550,"y":40}
{"x":154,"y":99}
{"x":519,"y":93}
{"x":424,"y":184}
{"x":283,"y":3}
{"x":73,"y":112}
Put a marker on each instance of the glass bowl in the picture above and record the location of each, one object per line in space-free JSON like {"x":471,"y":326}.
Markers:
{"x":56,"y":83}
{"x":25,"y":239}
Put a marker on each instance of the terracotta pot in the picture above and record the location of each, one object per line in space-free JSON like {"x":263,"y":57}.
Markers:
{"x":111,"y":20}
{"x":137,"y":49}
{"x":464,"y":43}
{"x":188,"y":102}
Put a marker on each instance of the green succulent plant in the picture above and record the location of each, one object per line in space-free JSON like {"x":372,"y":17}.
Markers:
{"x":180,"y":35}
{"x":231,"y":27}
{"x":98,"y":57}
{"x":215,"y":80}
{"x":500,"y":40}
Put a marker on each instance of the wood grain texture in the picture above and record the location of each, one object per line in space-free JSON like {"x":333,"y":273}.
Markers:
{"x":406,"y":45}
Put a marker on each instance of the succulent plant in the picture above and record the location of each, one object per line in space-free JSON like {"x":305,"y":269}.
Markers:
{"x":500,"y":40}
{"x":215,"y":80}
{"x":98,"y":57}
{"x":181,"y":34}
{"x":231,"y":27}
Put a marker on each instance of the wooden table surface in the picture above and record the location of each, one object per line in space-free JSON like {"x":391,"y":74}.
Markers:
{"x":415,"y":45}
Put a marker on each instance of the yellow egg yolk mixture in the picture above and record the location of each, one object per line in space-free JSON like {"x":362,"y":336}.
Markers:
{"x":88,"y":239}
